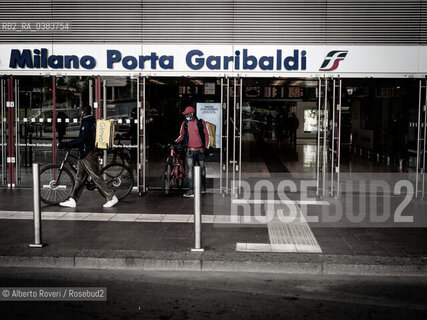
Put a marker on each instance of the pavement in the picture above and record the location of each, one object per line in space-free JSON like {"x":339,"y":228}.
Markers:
{"x":153,"y":232}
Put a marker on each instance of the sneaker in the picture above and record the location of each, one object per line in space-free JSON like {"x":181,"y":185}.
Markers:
{"x":70,"y":203}
{"x":189,"y":194}
{"x":203,"y":190}
{"x":111,"y":203}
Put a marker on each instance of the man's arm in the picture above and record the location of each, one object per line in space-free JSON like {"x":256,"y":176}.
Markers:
{"x":181,"y":134}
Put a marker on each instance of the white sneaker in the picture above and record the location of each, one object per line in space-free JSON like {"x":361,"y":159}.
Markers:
{"x":70,"y":203}
{"x":111,"y":203}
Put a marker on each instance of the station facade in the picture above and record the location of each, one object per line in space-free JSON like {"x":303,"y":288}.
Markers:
{"x":352,"y":74}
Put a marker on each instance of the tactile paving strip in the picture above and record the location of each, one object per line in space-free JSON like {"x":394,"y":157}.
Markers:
{"x":289,"y":233}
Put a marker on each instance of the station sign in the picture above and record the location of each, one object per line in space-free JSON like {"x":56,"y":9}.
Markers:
{"x":214,"y":60}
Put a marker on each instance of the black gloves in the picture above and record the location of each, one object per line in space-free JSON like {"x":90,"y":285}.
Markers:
{"x":62,"y":145}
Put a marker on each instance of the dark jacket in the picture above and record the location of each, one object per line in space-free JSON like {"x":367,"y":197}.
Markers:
{"x":86,"y":140}
{"x":203,"y":132}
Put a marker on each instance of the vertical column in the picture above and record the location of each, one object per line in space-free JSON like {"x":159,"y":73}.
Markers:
{"x":104,"y":113}
{"x":37,"y":210}
{"x":220,"y":134}
{"x":324,"y":131}
{"x":233,"y":185}
{"x":2,"y":115}
{"x":16,"y":163}
{"x":318,"y":139}
{"x":54,"y":120}
{"x":138,"y":147}
{"x":418,"y":140}
{"x":333,"y":138}
{"x":141,"y":113}
{"x":10,"y":104}
{"x":97,"y":102}
{"x":197,"y":213}
{"x":240,"y":134}
{"x":338,"y":169}
{"x":227,"y":139}
{"x":98,"y":110}
{"x":224,"y":133}
{"x":424,"y":140}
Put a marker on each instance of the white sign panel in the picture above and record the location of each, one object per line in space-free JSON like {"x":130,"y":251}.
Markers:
{"x":213,"y":60}
{"x":211,"y":112}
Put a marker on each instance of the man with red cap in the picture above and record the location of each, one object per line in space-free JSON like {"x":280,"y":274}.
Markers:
{"x":195,"y":136}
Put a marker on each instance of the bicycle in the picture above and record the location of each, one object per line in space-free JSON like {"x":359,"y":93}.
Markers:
{"x":57,"y":182}
{"x":174,"y":172}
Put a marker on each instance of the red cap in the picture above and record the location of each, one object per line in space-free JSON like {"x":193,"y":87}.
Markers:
{"x":188,"y":110}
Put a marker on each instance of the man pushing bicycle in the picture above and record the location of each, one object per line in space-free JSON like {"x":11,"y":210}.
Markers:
{"x":87,"y":164}
{"x":194,"y":134}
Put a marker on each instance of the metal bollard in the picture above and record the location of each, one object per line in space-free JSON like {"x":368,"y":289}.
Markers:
{"x":37,"y":211}
{"x":400,"y":165}
{"x":378,"y":157}
{"x":197,"y":215}
{"x":388,"y":161}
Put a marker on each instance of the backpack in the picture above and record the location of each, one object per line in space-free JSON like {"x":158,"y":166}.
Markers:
{"x":104,"y":137}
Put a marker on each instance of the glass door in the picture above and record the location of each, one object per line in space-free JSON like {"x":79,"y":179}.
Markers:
{"x":120,"y":103}
{"x":34,"y":125}
{"x":164,"y":100}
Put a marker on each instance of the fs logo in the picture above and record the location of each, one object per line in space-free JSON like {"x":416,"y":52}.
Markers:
{"x":333,"y":59}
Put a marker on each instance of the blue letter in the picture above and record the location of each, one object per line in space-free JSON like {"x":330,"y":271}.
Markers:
{"x":250,"y":59}
{"x":199,"y":61}
{"x":263,"y":65}
{"x":74,"y":60}
{"x":113,"y":56}
{"x":292,"y":59}
{"x":55,"y":62}
{"x":22,"y":60}
{"x":213,"y":62}
{"x":132,"y":65}
{"x":303,"y":60}
{"x":87,"y":62}
{"x":163,"y":60}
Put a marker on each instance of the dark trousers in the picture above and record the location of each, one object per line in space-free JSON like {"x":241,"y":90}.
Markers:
{"x":195,"y":157}
{"x":86,"y":167}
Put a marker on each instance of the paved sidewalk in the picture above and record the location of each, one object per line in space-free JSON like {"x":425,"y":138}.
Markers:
{"x":154,"y":232}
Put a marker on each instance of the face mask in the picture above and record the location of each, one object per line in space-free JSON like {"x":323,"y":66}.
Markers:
{"x":188,"y":118}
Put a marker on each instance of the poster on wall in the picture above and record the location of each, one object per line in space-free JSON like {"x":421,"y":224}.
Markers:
{"x":310,"y":121}
{"x":211,"y":112}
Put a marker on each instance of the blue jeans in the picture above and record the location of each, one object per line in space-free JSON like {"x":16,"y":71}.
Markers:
{"x":195,"y":157}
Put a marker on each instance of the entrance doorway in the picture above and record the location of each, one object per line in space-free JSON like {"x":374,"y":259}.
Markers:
{"x":165,"y":100}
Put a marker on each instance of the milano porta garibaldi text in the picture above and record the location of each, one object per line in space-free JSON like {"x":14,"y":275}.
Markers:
{"x":195,"y":59}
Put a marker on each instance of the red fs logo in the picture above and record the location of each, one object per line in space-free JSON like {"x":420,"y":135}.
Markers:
{"x":333,"y":59}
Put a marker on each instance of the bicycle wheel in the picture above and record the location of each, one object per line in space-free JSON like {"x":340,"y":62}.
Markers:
{"x":52,"y":190}
{"x":166,"y":179}
{"x":119,"y":178}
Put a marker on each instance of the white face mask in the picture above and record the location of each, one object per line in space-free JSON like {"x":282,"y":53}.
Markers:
{"x":188,"y":118}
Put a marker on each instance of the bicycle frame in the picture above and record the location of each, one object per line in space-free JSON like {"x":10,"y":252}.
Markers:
{"x":66,"y":160}
{"x":90,"y":185}
{"x":176,"y":162}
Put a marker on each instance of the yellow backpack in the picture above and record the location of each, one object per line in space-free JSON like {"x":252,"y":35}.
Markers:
{"x":104,"y":134}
